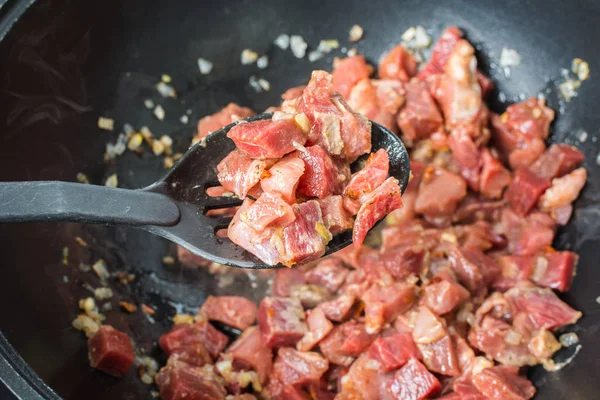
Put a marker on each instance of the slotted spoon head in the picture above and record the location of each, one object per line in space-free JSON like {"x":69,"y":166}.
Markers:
{"x":196,"y":171}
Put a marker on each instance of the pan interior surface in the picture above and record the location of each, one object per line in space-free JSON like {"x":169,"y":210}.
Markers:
{"x":67,"y":62}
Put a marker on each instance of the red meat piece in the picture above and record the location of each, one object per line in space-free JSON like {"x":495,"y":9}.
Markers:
{"x":440,"y":192}
{"x":441,"y":53}
{"x":281,"y":321}
{"x":323,"y":176}
{"x":234,"y":311}
{"x":294,"y":367}
{"x":348,"y":71}
{"x":318,"y":327}
{"x":339,"y":308}
{"x":335,"y":217}
{"x":284,"y":279}
{"x":530,"y":119}
{"x":443,"y":294}
{"x":239,"y":173}
{"x":283,"y":177}
{"x":302,"y":241}
{"x":231,"y":113}
{"x":398,"y":64}
{"x":419,"y":117}
{"x":413,"y":382}
{"x":525,"y":190}
{"x":377,"y":204}
{"x":179,"y":381}
{"x":494,"y":177}
{"x":269,"y":210}
{"x":345,"y":342}
{"x":502,"y":382}
{"x":558,"y":270}
{"x":182,"y":338}
{"x":557,"y":160}
{"x":267,"y":138}
{"x":365,"y":381}
{"x":111,"y":351}
{"x":394,"y":351}
{"x":383,"y":304}
{"x":329,"y":273}
{"x":370,"y":177}
{"x":250,"y":351}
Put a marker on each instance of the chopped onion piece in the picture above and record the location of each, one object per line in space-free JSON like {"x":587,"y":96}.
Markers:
{"x":205,"y":66}
{"x":298,"y":46}
{"x":282,"y":41}
{"x":356,"y":33}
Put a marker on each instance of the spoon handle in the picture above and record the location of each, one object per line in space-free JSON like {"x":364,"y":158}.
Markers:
{"x":75,"y":202}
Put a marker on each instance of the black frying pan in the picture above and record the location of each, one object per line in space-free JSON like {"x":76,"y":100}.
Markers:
{"x":65,"y":62}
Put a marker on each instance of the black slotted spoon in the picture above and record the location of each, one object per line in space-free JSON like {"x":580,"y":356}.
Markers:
{"x":175,"y":206}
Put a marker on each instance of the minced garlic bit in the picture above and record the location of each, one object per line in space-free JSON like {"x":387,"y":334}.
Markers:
{"x":100,"y":269}
{"x":65,"y":255}
{"x":315,"y":56}
{"x":262,"y":62}
{"x":80,"y":241}
{"x":356,"y":33}
{"x":166,"y":78}
{"x":149,"y":104}
{"x":184,"y":119}
{"x":416,"y":38}
{"x":159,"y":112}
{"x":135,"y":141}
{"x":580,"y":68}
{"x":253,"y":81}
{"x":264,"y":84}
{"x":568,"y":89}
{"x":298,"y":46}
{"x":248,"y":56}
{"x":282,"y":41}
{"x":124,"y":278}
{"x":169,"y":260}
{"x":325,"y":46}
{"x":204,"y":66}
{"x":177,"y":156}
{"x":86,"y":324}
{"x":352,"y":52}
{"x":324,"y":232}
{"x":82,"y":178}
{"x":166,"y":140}
{"x":107,"y":124}
{"x":129,"y":307}
{"x":168,"y":162}
{"x":87,"y":304}
{"x":147,"y":134}
{"x":112,"y":181}
{"x":509,"y":58}
{"x":568,"y":339}
{"x":166,"y":90}
{"x":409,"y":34}
{"x":303,"y":121}
{"x":448,"y":237}
{"x":103,"y":293}
{"x":180,"y":319}
{"x":158,"y":148}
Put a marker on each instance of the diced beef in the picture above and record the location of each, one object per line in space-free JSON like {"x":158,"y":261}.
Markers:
{"x":440,"y":192}
{"x":557,"y":160}
{"x":346,"y":342}
{"x":502,"y":382}
{"x":384,"y":304}
{"x":191,"y":338}
{"x":365,"y":381}
{"x":310,"y":295}
{"x":473,"y":268}
{"x":318,"y":327}
{"x":525,"y":190}
{"x":111,"y":351}
{"x":293,"y":93}
{"x":466,"y":391}
{"x":267,"y":138}
{"x":329,"y":273}
{"x":239,"y":173}
{"x":527,"y":236}
{"x":531,"y":118}
{"x":259,"y":244}
{"x":564,"y":190}
{"x":364,"y":99}
{"x":542,"y":306}
{"x":390,"y":96}
{"x":335,"y":217}
{"x":377,"y":204}
{"x":419,"y":117}
{"x":466,"y":154}
{"x":348,"y":71}
{"x":323,"y":176}
{"x":250,"y":351}
{"x":269,"y":210}
{"x":413,"y":382}
{"x":440,"y":356}
{"x":294,"y":367}
{"x":556,"y":271}
{"x":231,"y":113}
{"x":403,"y":261}
{"x":339,"y":308}
{"x":398,"y":64}
{"x":283,"y":177}
{"x":355,"y":130}
{"x":284,"y":279}
{"x":441,"y":53}
{"x":458,"y":91}
{"x":305,"y":239}
{"x":234,"y":311}
{"x":494,"y":177}
{"x":281,"y":321}
{"x":428,"y":327}
{"x":394,"y":351}
{"x":370,"y":177}
{"x":474,"y":209}
{"x":179,"y":381}
{"x":443,"y":294}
